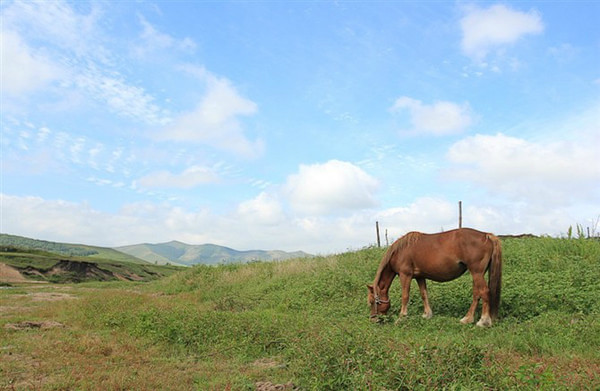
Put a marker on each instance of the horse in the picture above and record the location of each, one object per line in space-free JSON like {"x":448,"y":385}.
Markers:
{"x":441,"y":257}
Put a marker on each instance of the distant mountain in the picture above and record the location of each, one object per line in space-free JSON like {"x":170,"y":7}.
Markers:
{"x":71,"y":250}
{"x":177,"y":253}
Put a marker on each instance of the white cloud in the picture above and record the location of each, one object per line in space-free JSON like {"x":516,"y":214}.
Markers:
{"x":330,"y":187}
{"x":426,"y":214}
{"x":265,"y":209}
{"x":216,"y":119}
{"x":65,"y":221}
{"x":495,"y":27}
{"x":191,"y":177}
{"x":439,"y":118}
{"x":543,"y":172}
{"x":23,"y":70}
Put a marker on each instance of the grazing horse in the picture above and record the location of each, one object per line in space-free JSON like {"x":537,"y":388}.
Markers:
{"x":441,"y":257}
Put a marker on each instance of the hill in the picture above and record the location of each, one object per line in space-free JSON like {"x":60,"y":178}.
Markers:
{"x":24,"y":260}
{"x":179,"y":253}
{"x":79,"y":250}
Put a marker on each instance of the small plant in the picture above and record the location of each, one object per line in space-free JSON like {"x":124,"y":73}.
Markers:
{"x":535,"y":376}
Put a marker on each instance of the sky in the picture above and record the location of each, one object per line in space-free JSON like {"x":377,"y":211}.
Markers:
{"x":296,"y":125}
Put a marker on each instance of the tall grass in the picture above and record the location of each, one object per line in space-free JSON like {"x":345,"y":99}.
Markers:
{"x":309,"y":319}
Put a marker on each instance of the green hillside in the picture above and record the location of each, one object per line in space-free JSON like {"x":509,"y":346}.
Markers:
{"x":179,"y":253}
{"x":38,"y":260}
{"x":304,"y":324}
{"x":79,"y":250}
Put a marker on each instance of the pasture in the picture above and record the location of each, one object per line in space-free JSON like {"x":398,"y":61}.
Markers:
{"x":304,"y":324}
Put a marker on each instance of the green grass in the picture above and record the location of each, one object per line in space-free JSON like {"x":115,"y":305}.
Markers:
{"x":306,"y":322}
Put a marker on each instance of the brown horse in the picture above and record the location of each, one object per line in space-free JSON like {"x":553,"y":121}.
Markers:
{"x":441,"y":257}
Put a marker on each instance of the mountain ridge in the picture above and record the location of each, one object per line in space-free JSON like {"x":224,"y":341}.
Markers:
{"x":179,"y":253}
{"x":173,"y":252}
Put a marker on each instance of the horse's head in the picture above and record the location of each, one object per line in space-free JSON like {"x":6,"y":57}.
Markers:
{"x":379,"y":305}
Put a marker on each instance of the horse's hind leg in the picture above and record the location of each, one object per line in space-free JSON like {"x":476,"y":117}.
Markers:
{"x":480,"y":290}
{"x":427,"y":313}
{"x":484,"y":293}
{"x":470,"y":316}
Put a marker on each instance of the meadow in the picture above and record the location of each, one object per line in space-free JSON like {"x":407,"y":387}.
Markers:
{"x":303,"y":324}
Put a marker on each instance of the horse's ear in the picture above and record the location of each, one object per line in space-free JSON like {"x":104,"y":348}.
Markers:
{"x":370,"y":288}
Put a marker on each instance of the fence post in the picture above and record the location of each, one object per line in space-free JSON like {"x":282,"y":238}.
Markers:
{"x":377,"y":229}
{"x":459,"y":214}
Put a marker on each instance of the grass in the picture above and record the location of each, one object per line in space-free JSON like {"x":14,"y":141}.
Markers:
{"x":306,"y":322}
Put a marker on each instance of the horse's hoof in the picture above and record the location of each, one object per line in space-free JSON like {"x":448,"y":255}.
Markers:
{"x":484,"y":322}
{"x":466,"y":320}
{"x":427,"y":315}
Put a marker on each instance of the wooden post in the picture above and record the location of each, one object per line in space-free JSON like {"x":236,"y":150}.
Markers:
{"x":387,"y":242}
{"x":459,"y":214}
{"x":377,"y":229}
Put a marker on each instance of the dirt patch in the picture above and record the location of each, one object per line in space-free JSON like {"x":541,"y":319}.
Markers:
{"x":268,"y":386}
{"x":80,"y":271}
{"x":10,"y":274}
{"x":46,"y":296}
{"x":267,"y":363}
{"x":128,"y":277}
{"x":50,"y":296}
{"x":271,"y":363}
{"x":27,"y":325}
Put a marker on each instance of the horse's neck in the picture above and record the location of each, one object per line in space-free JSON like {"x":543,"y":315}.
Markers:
{"x":385,"y":279}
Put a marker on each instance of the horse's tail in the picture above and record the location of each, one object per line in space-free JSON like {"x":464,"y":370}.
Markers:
{"x":495,"y":276}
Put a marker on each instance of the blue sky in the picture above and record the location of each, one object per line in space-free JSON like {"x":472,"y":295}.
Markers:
{"x":297,"y":125}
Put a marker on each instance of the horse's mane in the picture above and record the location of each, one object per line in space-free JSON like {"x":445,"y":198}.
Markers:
{"x":404,"y":242}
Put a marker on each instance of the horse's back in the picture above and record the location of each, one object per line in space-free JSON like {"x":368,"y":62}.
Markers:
{"x":447,"y":255}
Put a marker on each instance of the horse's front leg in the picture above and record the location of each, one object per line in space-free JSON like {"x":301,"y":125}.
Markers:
{"x":427,"y":313}
{"x":405,"y":280}
{"x":470,"y":316}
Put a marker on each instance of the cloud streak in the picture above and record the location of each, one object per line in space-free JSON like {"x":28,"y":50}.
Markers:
{"x":439,"y":118}
{"x":191,"y":177}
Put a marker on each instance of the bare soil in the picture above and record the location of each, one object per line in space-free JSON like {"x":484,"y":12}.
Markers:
{"x":74,"y":271}
{"x":28,"y":324}
{"x":268,"y":386}
{"x":10,"y":274}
